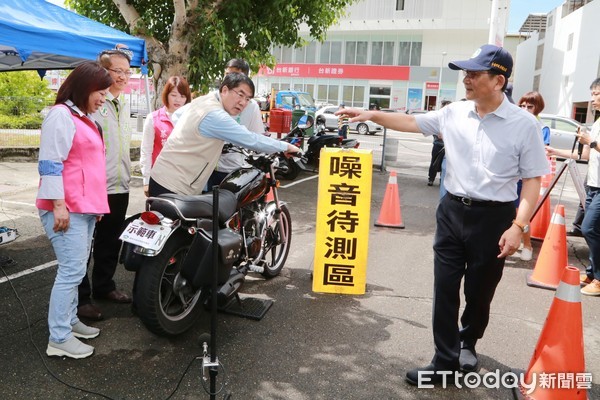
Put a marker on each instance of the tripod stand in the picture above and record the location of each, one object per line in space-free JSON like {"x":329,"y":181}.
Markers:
{"x":569,"y":165}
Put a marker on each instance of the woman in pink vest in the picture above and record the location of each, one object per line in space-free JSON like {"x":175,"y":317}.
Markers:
{"x":71,"y":198}
{"x":158,"y":125}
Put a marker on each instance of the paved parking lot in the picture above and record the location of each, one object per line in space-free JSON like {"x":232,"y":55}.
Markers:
{"x":309,"y":346}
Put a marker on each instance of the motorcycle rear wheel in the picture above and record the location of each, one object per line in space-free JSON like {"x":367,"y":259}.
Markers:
{"x":275,"y":250}
{"x":166,"y":306}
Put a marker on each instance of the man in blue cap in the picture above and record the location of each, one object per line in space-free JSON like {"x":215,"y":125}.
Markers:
{"x":490,"y":144}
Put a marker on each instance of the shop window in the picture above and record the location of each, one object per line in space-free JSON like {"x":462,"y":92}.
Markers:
{"x":415,"y":54}
{"x":336,"y":53}
{"x":362,"y":49}
{"x":311,"y":53}
{"x":350,"y":57}
{"x":404,"y":53}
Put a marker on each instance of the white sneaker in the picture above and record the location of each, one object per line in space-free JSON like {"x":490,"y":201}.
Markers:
{"x":82,"y":331}
{"x":73,"y":348}
{"x":526,"y":254}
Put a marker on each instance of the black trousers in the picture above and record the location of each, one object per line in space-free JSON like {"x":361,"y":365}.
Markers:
{"x":155,"y":189}
{"x":465,"y":245}
{"x":433,"y":168}
{"x":106,"y":249}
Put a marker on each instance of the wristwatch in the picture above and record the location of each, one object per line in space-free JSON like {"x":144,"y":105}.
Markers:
{"x":593,"y":145}
{"x":524,"y":227}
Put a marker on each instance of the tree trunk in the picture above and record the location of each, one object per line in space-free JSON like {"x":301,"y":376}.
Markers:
{"x":172,"y":64}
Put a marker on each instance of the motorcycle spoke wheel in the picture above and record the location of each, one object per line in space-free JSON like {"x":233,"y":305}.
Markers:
{"x":275,"y":249}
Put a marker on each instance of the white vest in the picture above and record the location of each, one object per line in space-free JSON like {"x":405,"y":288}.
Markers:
{"x":188,"y":158}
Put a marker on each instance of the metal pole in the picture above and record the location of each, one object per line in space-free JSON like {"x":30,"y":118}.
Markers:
{"x":493,"y":23}
{"x":214,"y":369}
{"x":439,"y":97}
{"x":147,"y":85}
{"x":382,"y":167}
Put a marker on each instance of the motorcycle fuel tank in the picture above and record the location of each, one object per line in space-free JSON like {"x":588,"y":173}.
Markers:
{"x":248,"y":185}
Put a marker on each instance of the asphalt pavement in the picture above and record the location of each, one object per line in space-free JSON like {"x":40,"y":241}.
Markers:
{"x":309,"y":346}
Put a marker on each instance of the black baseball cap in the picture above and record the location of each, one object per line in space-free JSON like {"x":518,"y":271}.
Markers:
{"x":487,"y":57}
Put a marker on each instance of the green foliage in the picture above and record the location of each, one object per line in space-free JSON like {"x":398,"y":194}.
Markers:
{"x":32,"y":121}
{"x":23,"y":93}
{"x":213,"y":29}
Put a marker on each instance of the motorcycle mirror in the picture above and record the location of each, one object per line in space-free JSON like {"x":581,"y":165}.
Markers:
{"x":309,"y":121}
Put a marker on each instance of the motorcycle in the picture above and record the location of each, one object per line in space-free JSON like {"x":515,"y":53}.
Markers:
{"x":170,"y":246}
{"x":290,"y":168}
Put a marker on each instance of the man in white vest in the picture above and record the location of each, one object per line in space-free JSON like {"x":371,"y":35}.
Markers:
{"x":195,"y":145}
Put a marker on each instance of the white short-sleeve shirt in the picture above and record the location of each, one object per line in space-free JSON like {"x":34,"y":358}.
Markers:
{"x":485,"y":157}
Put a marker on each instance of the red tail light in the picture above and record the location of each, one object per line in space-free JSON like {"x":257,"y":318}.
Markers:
{"x":150,"y":218}
{"x":357,"y":144}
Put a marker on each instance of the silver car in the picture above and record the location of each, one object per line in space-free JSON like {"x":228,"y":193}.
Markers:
{"x":562,"y":130}
{"x":325,"y":118}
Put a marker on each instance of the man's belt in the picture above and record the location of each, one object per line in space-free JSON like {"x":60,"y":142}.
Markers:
{"x":480,"y":203}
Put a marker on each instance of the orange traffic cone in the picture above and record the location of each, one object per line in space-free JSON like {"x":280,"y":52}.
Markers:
{"x":539,"y":224}
{"x":553,"y":254}
{"x":390,"y":215}
{"x":558,"y":356}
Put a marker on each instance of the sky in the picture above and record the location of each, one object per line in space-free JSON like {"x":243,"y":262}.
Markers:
{"x":519,"y":10}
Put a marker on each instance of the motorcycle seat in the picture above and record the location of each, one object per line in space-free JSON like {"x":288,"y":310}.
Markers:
{"x":198,"y":206}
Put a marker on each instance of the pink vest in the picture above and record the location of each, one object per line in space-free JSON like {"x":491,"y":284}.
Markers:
{"x":84,"y":171}
{"x":162,"y":129}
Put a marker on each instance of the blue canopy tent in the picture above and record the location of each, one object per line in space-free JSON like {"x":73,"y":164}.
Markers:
{"x":37,"y":35}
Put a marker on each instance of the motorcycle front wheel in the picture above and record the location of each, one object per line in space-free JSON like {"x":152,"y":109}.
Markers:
{"x":164,"y":301}
{"x":275,"y":248}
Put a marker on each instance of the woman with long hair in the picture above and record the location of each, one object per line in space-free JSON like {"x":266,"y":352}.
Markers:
{"x":71,"y":198}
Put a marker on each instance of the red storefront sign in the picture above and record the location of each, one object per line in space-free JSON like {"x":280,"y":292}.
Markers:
{"x":432,"y":85}
{"x":340,"y":71}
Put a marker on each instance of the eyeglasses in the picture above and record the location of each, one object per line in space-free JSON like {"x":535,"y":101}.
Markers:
{"x":121,"y":72}
{"x":527,"y":106}
{"x":242,"y":95}
{"x":474,"y":74}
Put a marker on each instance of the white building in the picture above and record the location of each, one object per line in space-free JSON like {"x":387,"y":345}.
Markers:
{"x":562,"y":61}
{"x":393,"y":53}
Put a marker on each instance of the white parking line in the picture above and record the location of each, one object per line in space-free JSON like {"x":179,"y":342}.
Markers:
{"x":28,"y":271}
{"x":17,"y":202}
{"x":299,"y":181}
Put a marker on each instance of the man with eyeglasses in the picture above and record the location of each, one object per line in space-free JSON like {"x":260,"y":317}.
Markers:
{"x":490,"y":143}
{"x":194,"y":147}
{"x":113,"y":118}
{"x":250,"y":117}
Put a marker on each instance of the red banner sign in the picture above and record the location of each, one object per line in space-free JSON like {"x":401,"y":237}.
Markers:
{"x":340,"y":71}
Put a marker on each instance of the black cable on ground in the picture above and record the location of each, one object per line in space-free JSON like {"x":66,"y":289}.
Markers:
{"x":6,"y":261}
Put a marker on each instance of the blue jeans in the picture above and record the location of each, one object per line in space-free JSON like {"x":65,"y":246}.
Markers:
{"x":72,"y":249}
{"x":590,"y":227}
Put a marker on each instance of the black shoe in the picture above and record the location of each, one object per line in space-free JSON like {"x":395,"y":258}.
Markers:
{"x":430,"y":182}
{"x":468,"y":358}
{"x":429,"y":375}
{"x":574,"y":233}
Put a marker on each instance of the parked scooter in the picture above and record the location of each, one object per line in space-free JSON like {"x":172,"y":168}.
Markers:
{"x":290,"y":168}
{"x":170,"y":245}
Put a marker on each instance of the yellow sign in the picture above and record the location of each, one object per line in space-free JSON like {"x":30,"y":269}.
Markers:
{"x":343,"y":212}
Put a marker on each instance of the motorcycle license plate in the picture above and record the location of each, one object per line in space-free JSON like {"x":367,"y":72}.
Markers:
{"x":148,"y":236}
